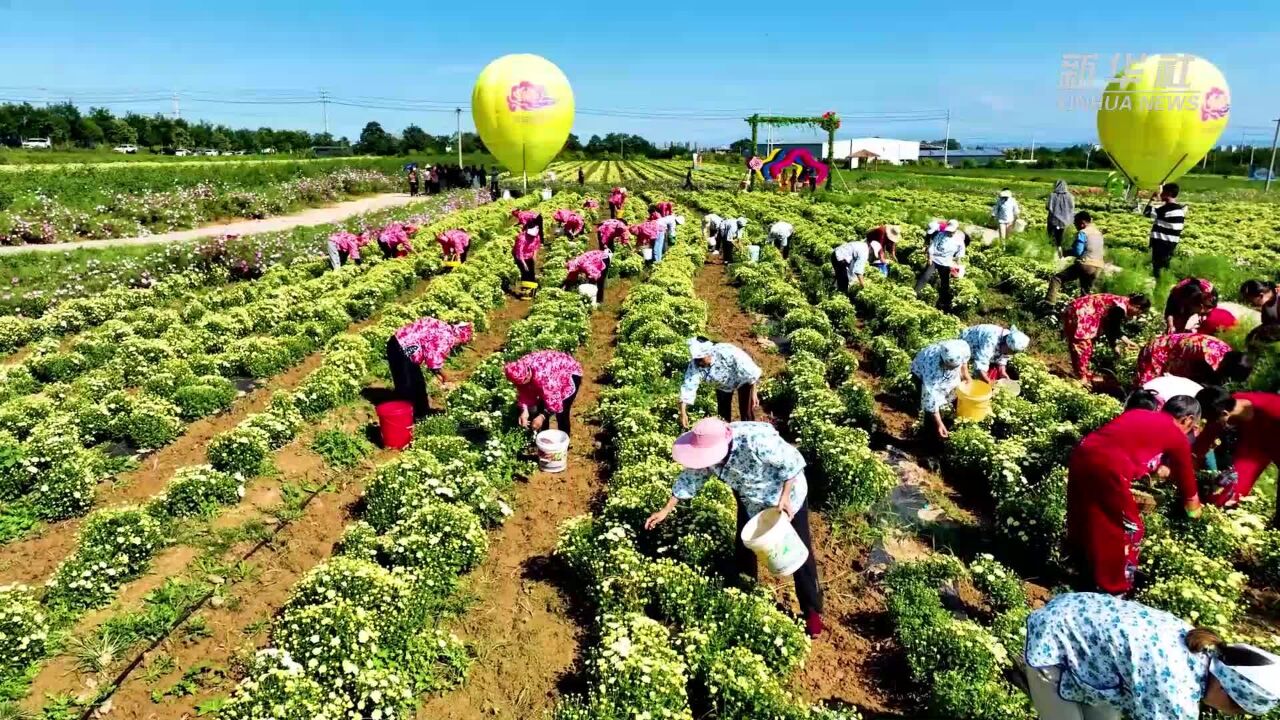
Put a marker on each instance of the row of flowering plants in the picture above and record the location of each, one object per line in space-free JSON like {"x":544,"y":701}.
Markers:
{"x":829,"y":412}
{"x":42,"y":214}
{"x":671,"y":640}
{"x":116,"y":544}
{"x":140,"y":380}
{"x":361,"y":635}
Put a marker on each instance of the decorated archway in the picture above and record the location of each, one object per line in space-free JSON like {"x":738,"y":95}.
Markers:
{"x":828,"y":121}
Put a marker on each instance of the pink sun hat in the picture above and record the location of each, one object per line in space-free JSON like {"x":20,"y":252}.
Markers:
{"x":703,"y":446}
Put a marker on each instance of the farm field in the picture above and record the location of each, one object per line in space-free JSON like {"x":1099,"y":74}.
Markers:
{"x":196,"y":518}
{"x":66,"y":202}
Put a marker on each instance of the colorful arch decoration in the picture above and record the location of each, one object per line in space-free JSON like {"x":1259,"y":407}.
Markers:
{"x":780,"y":159}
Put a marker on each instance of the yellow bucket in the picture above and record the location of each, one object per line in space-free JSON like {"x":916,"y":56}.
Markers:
{"x":451,"y":264}
{"x":973,"y":400}
{"x":525,"y":284}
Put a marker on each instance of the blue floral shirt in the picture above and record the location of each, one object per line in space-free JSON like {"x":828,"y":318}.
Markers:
{"x":938,"y":384}
{"x":984,"y":346}
{"x":759,"y":463}
{"x":731,"y":368}
{"x":1117,"y":653}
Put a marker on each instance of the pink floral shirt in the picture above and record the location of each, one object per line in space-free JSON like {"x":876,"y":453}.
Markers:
{"x":617,"y":198}
{"x":611,"y":231}
{"x":348,"y":243}
{"x":646,"y":232}
{"x":454,"y":242}
{"x":590,"y":263}
{"x":665,"y":208}
{"x":591,"y":203}
{"x":428,"y":341}
{"x":397,"y":235}
{"x":544,"y":376}
{"x":1186,"y":355}
{"x":523,"y":217}
{"x":571,"y":221}
{"x":528,"y":242}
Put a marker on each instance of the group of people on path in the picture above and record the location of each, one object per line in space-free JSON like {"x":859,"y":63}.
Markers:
{"x":435,"y":179}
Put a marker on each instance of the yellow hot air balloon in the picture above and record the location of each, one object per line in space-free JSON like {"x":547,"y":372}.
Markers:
{"x":523,"y":109}
{"x":1161,"y":115}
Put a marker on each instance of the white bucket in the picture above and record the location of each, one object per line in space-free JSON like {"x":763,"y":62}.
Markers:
{"x":546,"y":193}
{"x":1020,"y":225}
{"x":588,"y":291}
{"x":753,"y":252}
{"x":711,"y":243}
{"x":646,"y":253}
{"x":770,"y":536}
{"x":553,"y":451}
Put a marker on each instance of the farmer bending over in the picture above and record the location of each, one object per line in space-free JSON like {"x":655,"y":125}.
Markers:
{"x":940,"y":368}
{"x":993,"y":345}
{"x":763,"y":471}
{"x":1091,"y":316}
{"x":547,"y":382}
{"x":730,"y":369}
{"x":423,"y":342}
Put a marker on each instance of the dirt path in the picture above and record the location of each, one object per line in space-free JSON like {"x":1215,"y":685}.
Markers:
{"x":314,"y":216}
{"x":240,"y":622}
{"x":522,"y":625}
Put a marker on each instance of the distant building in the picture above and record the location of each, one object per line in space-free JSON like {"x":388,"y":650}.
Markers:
{"x":957,"y":157}
{"x":886,"y":150}
{"x":817,"y":149}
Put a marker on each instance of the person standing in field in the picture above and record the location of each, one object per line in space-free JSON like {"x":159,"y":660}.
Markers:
{"x":946,"y":248}
{"x":494,"y":189}
{"x":727,"y":367}
{"x":1006,"y":212}
{"x":688,"y":179}
{"x":1104,"y":525}
{"x":1088,"y":253}
{"x":413,"y":180}
{"x":1166,"y":228}
{"x":1062,"y":212}
{"x":764,"y":471}
{"x":582,"y":176}
{"x":1091,"y":316}
{"x":528,"y":242}
{"x":547,"y":383}
{"x":423,"y":342}
{"x":1095,"y":657}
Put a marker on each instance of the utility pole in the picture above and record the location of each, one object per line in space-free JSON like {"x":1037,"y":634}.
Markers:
{"x":458,"y":113}
{"x":1271,"y":166}
{"x":324,"y":103}
{"x":946,"y":144}
{"x":622,"y":148}
{"x":177,"y":112}
{"x":1087,"y":153}
{"x":1033,"y":147}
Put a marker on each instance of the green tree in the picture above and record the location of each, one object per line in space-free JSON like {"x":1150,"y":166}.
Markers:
{"x":89,"y":133}
{"x":375,"y":141}
{"x":414,"y":139}
{"x":119,"y":132}
{"x":742,"y":147}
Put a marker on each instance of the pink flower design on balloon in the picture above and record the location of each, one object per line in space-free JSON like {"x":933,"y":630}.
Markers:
{"x":755,"y":163}
{"x":526,"y":96}
{"x":1216,"y":105}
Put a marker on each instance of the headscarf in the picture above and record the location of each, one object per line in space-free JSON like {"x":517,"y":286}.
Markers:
{"x":954,"y":354}
{"x":1016,"y":340}
{"x":699,"y":348}
{"x":1062,"y":206}
{"x":1255,"y":688}
{"x":519,"y":373}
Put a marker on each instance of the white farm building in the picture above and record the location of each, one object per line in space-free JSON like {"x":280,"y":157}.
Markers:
{"x":851,"y":153}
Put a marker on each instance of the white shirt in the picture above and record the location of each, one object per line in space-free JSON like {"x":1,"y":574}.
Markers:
{"x":782,"y":231}
{"x":1006,"y":211}
{"x":856,"y":254}
{"x":946,"y":249}
{"x":1171,"y":386}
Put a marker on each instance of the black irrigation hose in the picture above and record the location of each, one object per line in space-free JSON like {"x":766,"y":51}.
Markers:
{"x":186,"y":615}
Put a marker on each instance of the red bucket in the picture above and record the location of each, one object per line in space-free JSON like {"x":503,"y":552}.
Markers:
{"x":395,"y":419}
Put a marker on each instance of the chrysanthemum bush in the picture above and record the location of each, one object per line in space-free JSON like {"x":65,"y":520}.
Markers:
{"x":114,"y":545}
{"x":24,"y":628}
{"x":958,"y":663}
{"x":197,"y":491}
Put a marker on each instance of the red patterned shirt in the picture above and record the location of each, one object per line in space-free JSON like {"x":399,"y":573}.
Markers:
{"x":1083,"y":318}
{"x":528,"y":242}
{"x":1182,"y":354}
{"x":544,"y":376}
{"x":428,"y":341}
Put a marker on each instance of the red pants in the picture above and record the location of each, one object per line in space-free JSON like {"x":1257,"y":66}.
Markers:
{"x":1104,"y":527}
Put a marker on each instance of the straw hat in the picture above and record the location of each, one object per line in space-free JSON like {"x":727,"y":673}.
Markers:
{"x":893,"y":232}
{"x":703,"y":446}
{"x":1006,"y":194}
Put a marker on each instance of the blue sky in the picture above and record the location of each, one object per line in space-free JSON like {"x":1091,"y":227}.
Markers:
{"x":996,"y":66}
